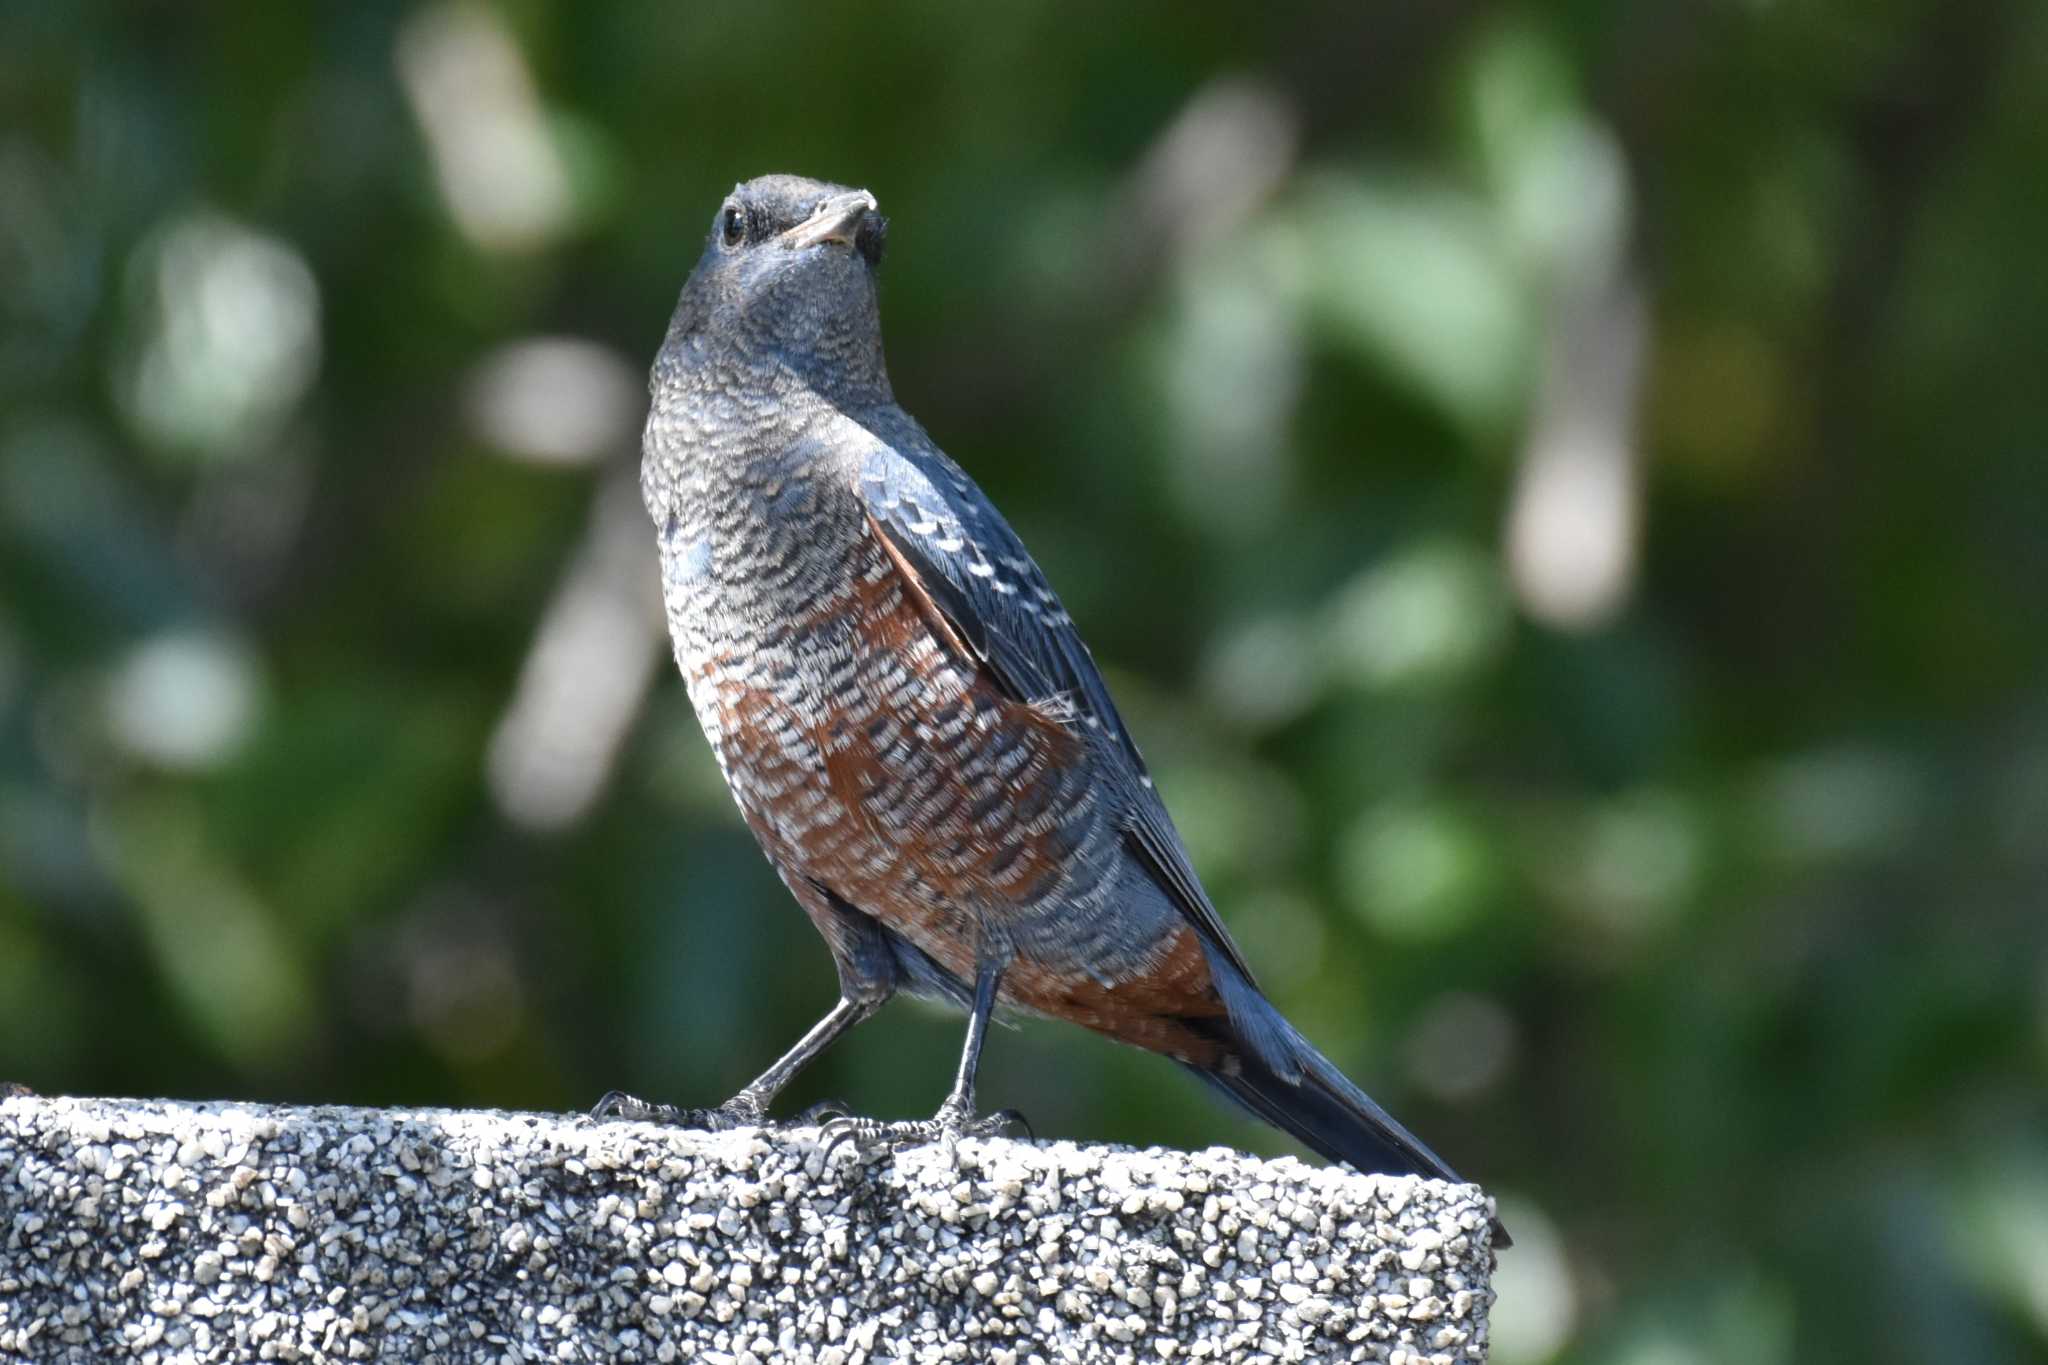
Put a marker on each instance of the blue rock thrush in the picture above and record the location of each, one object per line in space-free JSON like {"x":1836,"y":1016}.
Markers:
{"x":907,"y":717}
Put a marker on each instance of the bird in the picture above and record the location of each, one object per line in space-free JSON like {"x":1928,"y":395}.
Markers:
{"x":906,"y":715}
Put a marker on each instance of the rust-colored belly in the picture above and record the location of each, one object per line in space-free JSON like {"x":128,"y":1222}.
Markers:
{"x":896,"y":772}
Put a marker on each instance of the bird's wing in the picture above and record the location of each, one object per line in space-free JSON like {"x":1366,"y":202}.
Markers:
{"x":945,"y":533}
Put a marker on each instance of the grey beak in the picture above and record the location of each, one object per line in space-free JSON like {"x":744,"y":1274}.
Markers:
{"x":838,"y":219}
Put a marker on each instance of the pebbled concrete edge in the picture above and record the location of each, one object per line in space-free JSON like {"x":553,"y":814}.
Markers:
{"x":164,"y":1230}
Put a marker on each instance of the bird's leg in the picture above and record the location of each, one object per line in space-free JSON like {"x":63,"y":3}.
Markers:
{"x":956,"y":1117}
{"x":958,"y":1110}
{"x":749,"y":1108}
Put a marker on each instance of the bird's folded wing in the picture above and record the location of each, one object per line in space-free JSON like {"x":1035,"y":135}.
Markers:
{"x":963,"y":557}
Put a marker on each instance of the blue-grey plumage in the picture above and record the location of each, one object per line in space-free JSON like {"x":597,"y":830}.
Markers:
{"x":906,"y":714}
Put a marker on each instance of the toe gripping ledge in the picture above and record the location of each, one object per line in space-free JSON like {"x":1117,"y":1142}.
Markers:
{"x":132,"y":1230}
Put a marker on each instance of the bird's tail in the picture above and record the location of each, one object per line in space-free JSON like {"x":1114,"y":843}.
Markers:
{"x":1279,"y":1075}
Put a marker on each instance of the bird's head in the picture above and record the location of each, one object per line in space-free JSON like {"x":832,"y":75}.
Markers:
{"x":787,"y":279}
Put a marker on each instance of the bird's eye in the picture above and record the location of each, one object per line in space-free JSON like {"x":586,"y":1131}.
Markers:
{"x":732,"y":225}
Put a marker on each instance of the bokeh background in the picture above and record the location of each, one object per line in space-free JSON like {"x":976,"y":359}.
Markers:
{"x":1559,"y":493}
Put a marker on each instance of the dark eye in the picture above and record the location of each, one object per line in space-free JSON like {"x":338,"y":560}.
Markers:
{"x":732,"y":225}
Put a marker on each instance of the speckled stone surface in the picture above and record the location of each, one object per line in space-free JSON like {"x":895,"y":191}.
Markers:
{"x":166,"y":1232}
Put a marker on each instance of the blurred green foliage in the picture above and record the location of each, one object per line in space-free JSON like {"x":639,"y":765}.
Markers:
{"x":1559,"y":493}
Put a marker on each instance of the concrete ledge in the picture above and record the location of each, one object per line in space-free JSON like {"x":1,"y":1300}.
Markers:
{"x":154,"y":1231}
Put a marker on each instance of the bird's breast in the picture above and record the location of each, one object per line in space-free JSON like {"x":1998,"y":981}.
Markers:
{"x":869,"y":753}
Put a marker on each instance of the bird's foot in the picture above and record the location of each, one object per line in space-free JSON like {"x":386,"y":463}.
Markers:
{"x":946,"y":1127}
{"x":741,"y":1111}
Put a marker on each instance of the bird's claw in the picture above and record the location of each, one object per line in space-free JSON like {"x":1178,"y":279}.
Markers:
{"x":822,"y":1113}
{"x":736,"y":1112}
{"x":948,"y":1126}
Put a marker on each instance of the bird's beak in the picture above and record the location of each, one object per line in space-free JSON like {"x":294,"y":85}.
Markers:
{"x":838,"y":219}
